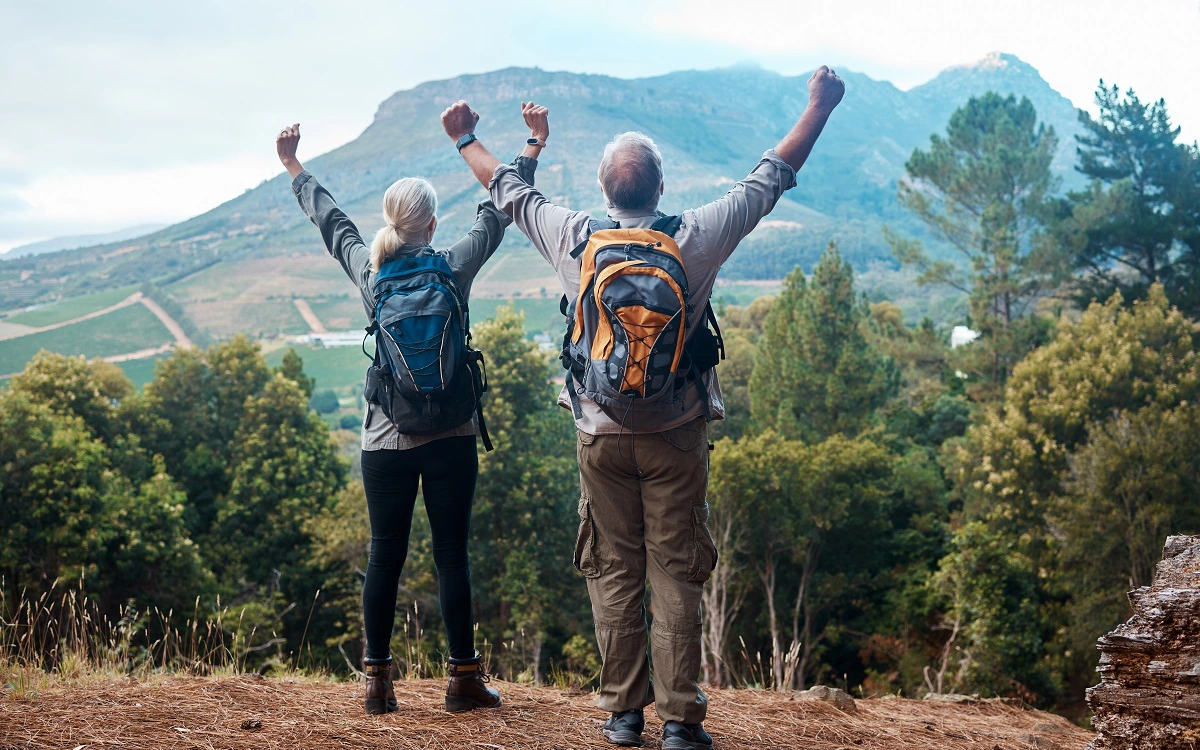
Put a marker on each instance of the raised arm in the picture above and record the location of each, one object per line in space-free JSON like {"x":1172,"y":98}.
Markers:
{"x":537,"y":118}
{"x":734,"y":215}
{"x":825,"y":90}
{"x":341,"y":236}
{"x":459,"y":120}
{"x":544,"y":223}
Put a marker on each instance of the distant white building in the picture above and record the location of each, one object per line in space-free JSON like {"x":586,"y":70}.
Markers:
{"x":331,"y":339}
{"x":961,"y":336}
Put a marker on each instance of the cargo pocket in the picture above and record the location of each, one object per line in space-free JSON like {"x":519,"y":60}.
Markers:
{"x":704,"y":549}
{"x":686,"y":437}
{"x":585,"y":543}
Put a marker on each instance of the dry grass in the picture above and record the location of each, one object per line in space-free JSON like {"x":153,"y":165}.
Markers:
{"x":248,"y":712}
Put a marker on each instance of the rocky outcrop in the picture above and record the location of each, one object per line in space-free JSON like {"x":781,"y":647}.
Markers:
{"x":1149,"y":694}
{"x":840,"y":699}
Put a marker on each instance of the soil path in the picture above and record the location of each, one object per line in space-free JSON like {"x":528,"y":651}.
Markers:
{"x":7,"y":332}
{"x":314,"y":323}
{"x":140,"y":354}
{"x":240,"y":713}
{"x":176,"y":330}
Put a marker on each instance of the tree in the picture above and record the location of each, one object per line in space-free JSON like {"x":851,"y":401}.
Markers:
{"x":1136,"y":223}
{"x":815,"y":374}
{"x":994,"y":645}
{"x":67,"y":509}
{"x":324,"y":402}
{"x":197,"y":400}
{"x":1075,"y":475}
{"x":69,"y":385}
{"x":283,"y":469}
{"x":292,"y":368}
{"x":798,"y":504}
{"x":51,"y":495}
{"x":148,"y":557}
{"x":981,"y":190}
{"x":1132,"y":485}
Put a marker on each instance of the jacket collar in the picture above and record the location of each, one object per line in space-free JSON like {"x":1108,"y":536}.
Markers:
{"x":622,"y":214}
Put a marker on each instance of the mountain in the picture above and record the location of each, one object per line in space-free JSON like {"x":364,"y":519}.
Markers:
{"x":73,"y":241}
{"x":240,"y":265}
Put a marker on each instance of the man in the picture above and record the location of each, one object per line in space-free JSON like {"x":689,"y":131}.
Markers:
{"x":643,"y":513}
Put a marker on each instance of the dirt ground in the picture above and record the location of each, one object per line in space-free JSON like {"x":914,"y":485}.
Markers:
{"x":246,"y":712}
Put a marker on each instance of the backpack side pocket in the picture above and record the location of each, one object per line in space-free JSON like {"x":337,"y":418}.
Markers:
{"x":378,"y":389}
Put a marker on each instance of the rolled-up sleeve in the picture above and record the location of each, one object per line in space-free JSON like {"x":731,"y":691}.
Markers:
{"x":726,"y":221}
{"x":341,"y":236}
{"x":544,"y":223}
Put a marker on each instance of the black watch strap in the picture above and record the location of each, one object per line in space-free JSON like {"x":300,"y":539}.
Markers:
{"x":465,"y":141}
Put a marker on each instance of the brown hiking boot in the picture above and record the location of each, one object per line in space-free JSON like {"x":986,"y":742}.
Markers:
{"x":467,"y":688}
{"x":381,"y":699}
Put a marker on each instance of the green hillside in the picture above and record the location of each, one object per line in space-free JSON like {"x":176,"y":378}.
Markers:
{"x":69,"y":309}
{"x":129,"y":329}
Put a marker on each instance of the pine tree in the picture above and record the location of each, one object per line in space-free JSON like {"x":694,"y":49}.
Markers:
{"x":292,"y":368}
{"x":815,"y":373}
{"x":1138,"y":221}
{"x":982,"y":190}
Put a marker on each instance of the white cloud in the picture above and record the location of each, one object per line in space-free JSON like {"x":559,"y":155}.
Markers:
{"x":1150,"y":47}
{"x":66,"y":203}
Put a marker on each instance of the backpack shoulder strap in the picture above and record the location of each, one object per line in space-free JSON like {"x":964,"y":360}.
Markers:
{"x":712,"y":320}
{"x":594,"y":225}
{"x":668,"y":225}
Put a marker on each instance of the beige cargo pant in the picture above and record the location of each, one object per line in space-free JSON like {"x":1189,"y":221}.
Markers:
{"x":643,"y":517}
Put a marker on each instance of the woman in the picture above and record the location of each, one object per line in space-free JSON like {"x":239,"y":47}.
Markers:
{"x":393,"y":463}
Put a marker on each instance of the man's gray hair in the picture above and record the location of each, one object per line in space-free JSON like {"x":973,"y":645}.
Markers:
{"x":631,"y":172}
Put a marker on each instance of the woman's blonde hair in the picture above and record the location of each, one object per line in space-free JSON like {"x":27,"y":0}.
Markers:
{"x":408,"y":207}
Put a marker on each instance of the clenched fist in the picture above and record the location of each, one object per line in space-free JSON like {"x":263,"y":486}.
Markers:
{"x":825,"y":89}
{"x":286,"y":142}
{"x":459,"y":119}
{"x":285,"y":146}
{"x":536,"y":117}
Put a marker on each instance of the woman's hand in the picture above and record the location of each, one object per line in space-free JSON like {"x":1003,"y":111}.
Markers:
{"x":285,"y":145}
{"x":536,"y":117}
{"x":539,"y":127}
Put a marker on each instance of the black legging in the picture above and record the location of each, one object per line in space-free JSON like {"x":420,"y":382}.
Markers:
{"x":447,"y":469}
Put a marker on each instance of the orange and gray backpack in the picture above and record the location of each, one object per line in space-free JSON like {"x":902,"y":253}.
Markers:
{"x":633,"y":340}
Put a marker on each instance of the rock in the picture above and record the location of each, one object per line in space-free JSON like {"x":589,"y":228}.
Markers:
{"x":1149,"y":691}
{"x":952,"y":697}
{"x":840,"y":699}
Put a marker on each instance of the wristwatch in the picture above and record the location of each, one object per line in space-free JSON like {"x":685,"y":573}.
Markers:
{"x":465,"y":141}
{"x":536,"y":142}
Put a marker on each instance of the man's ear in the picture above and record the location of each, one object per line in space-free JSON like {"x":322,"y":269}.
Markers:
{"x":662,"y":187}
{"x":432,"y":228}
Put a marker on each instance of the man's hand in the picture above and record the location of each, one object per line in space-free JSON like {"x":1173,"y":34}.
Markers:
{"x":536,"y":117}
{"x":825,"y":90}
{"x":285,"y":145}
{"x":459,"y":119}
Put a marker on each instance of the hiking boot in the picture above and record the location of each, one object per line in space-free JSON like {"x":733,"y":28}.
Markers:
{"x":624,"y":728}
{"x":467,"y":688}
{"x":679,"y":736}
{"x":381,"y":699}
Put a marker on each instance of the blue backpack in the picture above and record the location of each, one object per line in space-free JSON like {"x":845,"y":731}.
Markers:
{"x":425,"y":375}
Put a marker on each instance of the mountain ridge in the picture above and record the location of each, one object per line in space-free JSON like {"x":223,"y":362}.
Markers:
{"x":711,"y":125}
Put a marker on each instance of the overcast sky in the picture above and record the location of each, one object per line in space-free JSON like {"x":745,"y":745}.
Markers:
{"x":121,"y":112}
